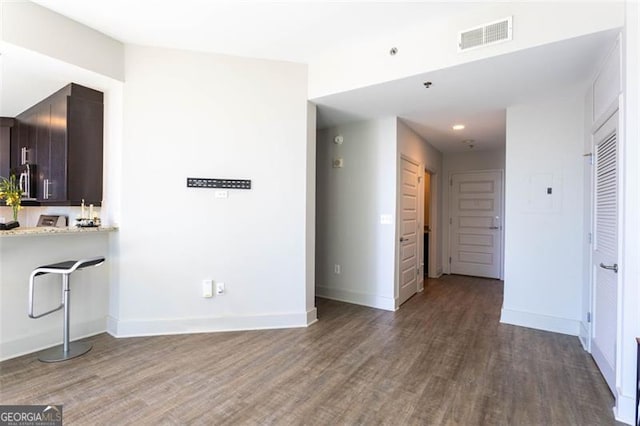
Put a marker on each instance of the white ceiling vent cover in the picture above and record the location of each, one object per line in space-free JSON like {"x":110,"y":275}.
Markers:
{"x":491,"y":33}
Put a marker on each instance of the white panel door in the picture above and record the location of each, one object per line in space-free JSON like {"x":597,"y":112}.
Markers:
{"x":476,"y":225}
{"x":605,"y":250}
{"x":409,"y":266}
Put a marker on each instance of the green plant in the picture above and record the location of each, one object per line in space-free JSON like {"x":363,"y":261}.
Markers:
{"x":11,"y":192}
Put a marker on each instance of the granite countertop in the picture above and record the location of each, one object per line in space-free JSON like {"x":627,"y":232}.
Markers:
{"x":46,"y":230}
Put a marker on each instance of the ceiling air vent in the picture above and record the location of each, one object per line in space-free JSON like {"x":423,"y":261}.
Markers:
{"x":491,"y":33}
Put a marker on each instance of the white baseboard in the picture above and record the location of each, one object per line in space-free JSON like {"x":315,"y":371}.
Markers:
{"x":158,"y":327}
{"x":625,"y":410}
{"x":584,"y":335}
{"x":312,"y":316}
{"x":357,"y":298}
{"x":51,"y":337}
{"x":540,"y":322}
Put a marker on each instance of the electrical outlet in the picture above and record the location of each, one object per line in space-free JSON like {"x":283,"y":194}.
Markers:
{"x":336,"y":269}
{"x":207,"y":288}
{"x":219,"y":288}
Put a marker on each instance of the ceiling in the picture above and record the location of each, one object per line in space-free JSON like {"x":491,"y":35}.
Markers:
{"x":293,"y":30}
{"x":475,"y":94}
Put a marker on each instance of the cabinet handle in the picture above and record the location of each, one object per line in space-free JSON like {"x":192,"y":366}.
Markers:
{"x":46,"y":189}
{"x":23,"y":156}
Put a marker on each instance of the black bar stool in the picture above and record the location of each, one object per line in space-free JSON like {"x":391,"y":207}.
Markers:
{"x":66,"y":350}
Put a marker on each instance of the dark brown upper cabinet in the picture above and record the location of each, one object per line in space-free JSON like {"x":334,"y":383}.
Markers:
{"x":6,"y":123}
{"x":62,"y":137}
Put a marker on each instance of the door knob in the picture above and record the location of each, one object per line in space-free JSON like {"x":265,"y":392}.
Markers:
{"x":613,"y":267}
{"x":403,"y":239}
{"x":493,"y":227}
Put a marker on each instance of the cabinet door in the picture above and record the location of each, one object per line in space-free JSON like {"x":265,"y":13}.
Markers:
{"x":57,"y":189}
{"x":5,"y":148}
{"x":41,"y":129}
{"x":28,"y":139}
{"x":85,"y":146}
{"x":16,"y":143}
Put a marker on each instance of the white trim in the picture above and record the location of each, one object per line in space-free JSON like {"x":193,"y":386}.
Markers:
{"x":158,"y":327}
{"x":584,"y":336}
{"x":625,"y":409}
{"x":540,"y":322}
{"x":312,"y":315}
{"x":434,"y":216}
{"x":357,"y":298}
{"x":49,"y":337}
{"x":420,"y":214}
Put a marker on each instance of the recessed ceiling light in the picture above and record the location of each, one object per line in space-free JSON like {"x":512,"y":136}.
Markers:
{"x":458,"y":126}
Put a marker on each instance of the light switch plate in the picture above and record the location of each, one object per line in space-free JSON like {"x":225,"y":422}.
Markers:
{"x":386,"y":219}
{"x":207,"y":288}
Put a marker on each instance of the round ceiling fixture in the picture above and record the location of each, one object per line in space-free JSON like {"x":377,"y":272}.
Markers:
{"x":457,"y":126}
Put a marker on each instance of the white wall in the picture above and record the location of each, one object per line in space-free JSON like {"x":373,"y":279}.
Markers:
{"x":454,"y":162}
{"x":203,"y":115}
{"x":36,"y":28}
{"x":630,"y":233}
{"x":543,"y":272}
{"x":585,"y":328}
{"x":310,"y":206}
{"x":350,"y":201}
{"x":433,"y":45}
{"x":416,"y":148}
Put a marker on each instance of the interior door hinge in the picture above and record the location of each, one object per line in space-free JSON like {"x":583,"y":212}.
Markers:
{"x":590,"y":238}
{"x":451,"y":182}
{"x":449,"y":259}
{"x":419,"y":178}
{"x":588,"y":316}
{"x":450,"y":221}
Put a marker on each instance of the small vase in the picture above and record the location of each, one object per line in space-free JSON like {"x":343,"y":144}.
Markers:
{"x":15,"y":208}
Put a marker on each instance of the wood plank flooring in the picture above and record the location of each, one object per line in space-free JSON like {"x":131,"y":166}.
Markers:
{"x":443,"y":359}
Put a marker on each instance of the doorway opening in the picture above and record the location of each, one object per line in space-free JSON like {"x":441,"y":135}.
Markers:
{"x":427,"y":223}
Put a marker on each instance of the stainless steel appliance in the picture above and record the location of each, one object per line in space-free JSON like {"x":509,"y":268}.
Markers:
{"x":57,"y":221}
{"x":27,"y":180}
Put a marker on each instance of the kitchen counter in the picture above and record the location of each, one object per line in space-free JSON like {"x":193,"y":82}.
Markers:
{"x":46,"y":230}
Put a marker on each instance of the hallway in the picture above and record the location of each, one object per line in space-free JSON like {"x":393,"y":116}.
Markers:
{"x":441,"y":359}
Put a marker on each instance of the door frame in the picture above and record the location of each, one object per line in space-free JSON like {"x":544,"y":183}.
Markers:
{"x":615,"y":107}
{"x":449,"y":219}
{"x":434,"y":216}
{"x":398,"y":233}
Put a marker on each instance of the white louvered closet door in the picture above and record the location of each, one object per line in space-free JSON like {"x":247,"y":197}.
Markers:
{"x":605,"y":250}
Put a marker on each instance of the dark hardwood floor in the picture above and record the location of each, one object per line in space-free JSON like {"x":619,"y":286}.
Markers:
{"x":443,"y":359}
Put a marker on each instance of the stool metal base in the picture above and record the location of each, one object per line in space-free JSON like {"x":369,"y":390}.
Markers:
{"x":58,"y":354}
